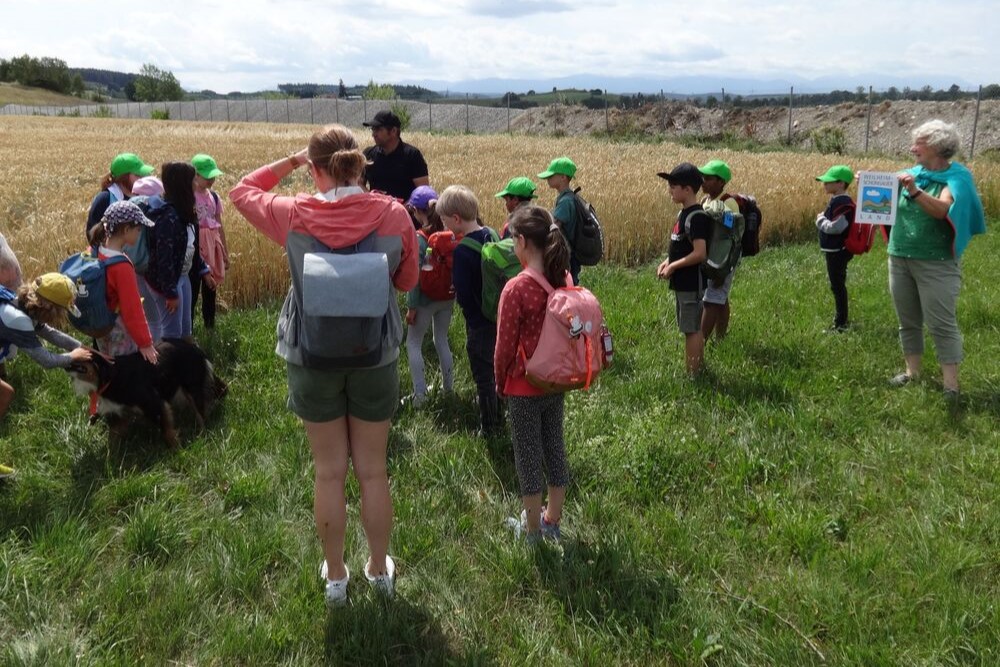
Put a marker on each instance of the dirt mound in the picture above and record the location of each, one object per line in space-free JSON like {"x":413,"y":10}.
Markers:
{"x":889,"y":126}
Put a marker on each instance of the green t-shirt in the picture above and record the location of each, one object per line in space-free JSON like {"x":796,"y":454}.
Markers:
{"x":916,"y":235}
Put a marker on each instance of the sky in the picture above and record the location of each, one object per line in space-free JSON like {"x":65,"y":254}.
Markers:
{"x":258,"y":44}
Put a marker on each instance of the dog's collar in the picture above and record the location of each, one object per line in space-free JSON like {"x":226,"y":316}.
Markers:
{"x":95,"y":396}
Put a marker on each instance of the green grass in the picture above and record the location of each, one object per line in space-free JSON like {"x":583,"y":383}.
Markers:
{"x":15,"y":93}
{"x":788,"y":494}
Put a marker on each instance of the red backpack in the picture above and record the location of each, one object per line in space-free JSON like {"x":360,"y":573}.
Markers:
{"x":859,"y":238}
{"x":569,"y":352}
{"x":435,"y":272}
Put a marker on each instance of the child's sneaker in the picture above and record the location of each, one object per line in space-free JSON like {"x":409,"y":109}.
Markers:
{"x":383,"y":583}
{"x":550,"y":531}
{"x":336,"y":590}
{"x":520,"y":528}
{"x":6,"y":471}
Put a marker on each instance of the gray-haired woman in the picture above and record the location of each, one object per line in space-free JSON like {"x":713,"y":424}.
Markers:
{"x":939,"y":212}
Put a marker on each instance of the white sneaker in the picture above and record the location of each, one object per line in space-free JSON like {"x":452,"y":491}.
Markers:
{"x":383,"y":583}
{"x":336,"y":590}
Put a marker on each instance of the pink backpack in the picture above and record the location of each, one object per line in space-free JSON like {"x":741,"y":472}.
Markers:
{"x":568,"y":355}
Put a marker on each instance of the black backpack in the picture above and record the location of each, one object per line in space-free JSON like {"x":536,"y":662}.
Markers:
{"x":588,"y":240}
{"x":753,"y":220}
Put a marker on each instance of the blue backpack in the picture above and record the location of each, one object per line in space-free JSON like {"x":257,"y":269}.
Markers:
{"x":89,"y":274}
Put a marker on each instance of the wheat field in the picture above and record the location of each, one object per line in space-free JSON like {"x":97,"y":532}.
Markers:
{"x":50,"y":169}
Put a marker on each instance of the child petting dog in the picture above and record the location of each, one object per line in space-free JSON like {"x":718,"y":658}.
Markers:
{"x":30,"y":316}
{"x":120,"y":226}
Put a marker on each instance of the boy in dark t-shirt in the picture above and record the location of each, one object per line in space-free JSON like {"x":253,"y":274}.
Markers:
{"x":687,"y":250}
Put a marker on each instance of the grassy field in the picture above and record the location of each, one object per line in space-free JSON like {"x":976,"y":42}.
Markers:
{"x":14,"y":93}
{"x":787,"y":509}
{"x":47,"y":191}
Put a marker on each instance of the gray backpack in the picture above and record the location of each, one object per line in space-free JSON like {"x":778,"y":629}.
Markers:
{"x":338,"y":312}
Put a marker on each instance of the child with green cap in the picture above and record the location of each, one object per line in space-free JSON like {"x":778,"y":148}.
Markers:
{"x":519,"y":191}
{"x":833,"y":225}
{"x":715,"y":316}
{"x":116,"y":185}
{"x":211,"y":237}
{"x":559,"y":174}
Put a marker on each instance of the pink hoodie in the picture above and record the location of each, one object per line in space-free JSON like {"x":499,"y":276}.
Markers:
{"x":336,"y":224}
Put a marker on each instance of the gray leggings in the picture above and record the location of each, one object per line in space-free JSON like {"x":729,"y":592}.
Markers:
{"x":438,"y":313}
{"x":925,"y":290}
{"x":536,"y":425}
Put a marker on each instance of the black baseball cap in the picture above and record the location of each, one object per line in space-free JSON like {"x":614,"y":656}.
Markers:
{"x":683,"y":174}
{"x":384,"y":119}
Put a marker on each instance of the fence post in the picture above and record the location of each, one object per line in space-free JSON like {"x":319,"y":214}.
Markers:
{"x":336,"y":107}
{"x":288,"y":115}
{"x":868,"y":120}
{"x":723,"y":109}
{"x":430,"y":115}
{"x":365,"y":107}
{"x":607,"y":114}
{"x":267,"y":112}
{"x":466,"y":113}
{"x":791,"y":92}
{"x":975,"y":123}
{"x":312,"y":111}
{"x":508,"y":112}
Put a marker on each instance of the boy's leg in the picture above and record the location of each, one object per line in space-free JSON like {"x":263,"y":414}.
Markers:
{"x":480,"y":344}
{"x":716,"y":308}
{"x":836,"y":271}
{"x":694,"y":351}
{"x":689,"y":314}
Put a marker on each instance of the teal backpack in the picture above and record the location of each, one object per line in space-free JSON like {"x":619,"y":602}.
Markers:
{"x":725,"y":244}
{"x":499,"y":264}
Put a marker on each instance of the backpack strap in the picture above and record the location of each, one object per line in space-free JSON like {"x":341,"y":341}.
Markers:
{"x":218,"y":206}
{"x":473,"y":244}
{"x":538,"y":278}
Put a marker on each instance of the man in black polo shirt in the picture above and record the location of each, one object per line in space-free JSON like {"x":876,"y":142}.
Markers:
{"x":396,"y":167}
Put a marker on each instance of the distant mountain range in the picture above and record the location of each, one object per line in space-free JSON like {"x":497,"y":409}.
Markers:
{"x":686,"y":86}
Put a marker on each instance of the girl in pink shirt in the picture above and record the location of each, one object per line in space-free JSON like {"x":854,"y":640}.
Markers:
{"x":211,"y":237}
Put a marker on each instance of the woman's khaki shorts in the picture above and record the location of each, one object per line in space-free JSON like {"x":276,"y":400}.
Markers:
{"x":371,"y":394}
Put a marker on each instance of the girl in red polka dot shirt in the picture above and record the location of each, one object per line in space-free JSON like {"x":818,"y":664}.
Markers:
{"x":536,"y":418}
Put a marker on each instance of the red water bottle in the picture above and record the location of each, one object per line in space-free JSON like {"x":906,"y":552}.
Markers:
{"x":607,"y":347}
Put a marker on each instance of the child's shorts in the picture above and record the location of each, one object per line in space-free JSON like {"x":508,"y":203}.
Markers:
{"x":689,"y":309}
{"x":719,"y":293}
{"x":371,"y":394}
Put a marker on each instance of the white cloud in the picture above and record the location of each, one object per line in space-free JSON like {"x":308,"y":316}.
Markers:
{"x":253,"y":44}
{"x":873,"y":193}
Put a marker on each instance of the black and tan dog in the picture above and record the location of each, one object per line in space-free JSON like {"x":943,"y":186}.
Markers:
{"x":129,"y":384}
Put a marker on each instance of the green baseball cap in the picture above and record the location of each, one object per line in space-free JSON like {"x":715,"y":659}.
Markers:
{"x":519,"y":186}
{"x":129,"y":163}
{"x":838,"y":172}
{"x":717,"y":168}
{"x":561,"y":165}
{"x":205,"y":166}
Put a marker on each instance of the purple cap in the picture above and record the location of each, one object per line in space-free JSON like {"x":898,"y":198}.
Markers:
{"x":422,"y":197}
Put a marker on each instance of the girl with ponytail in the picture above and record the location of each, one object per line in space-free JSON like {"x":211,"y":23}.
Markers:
{"x":346,"y":412}
{"x":536,"y":418}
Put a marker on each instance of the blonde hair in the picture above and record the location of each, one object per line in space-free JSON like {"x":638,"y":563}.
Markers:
{"x":37,"y":307}
{"x":460,"y":200}
{"x":941,"y":136}
{"x":335,"y":151}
